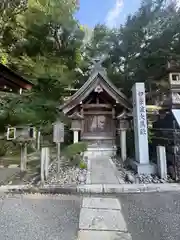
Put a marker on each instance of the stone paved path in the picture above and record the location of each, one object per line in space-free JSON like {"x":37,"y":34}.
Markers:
{"x":101,"y":171}
{"x":102,"y":219}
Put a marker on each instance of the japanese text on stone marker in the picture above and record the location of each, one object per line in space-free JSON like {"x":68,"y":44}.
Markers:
{"x":142,"y":111}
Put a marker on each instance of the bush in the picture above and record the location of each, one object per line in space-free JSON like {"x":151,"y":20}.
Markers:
{"x":3,"y":147}
{"x":75,"y":160}
{"x":74,"y":149}
{"x":30,"y":148}
{"x":73,"y":152}
{"x":82,"y":165}
{"x":150,"y":135}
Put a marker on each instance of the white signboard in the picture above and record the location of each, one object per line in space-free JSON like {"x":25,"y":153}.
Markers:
{"x":140,"y":124}
{"x":58,"y":132}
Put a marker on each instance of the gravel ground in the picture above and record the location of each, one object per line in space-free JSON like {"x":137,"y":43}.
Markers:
{"x":67,"y":175}
{"x":31,"y":217}
{"x":129,"y":176}
{"x":152,"y":215}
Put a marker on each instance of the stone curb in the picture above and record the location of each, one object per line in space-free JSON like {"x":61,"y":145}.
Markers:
{"x":121,"y":181}
{"x":10,"y":166}
{"x":127,"y":188}
{"x":88,"y":177}
{"x":92,"y":189}
{"x":53,"y":189}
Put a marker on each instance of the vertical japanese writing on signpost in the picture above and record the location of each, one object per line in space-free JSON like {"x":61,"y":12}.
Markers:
{"x":142,"y":111}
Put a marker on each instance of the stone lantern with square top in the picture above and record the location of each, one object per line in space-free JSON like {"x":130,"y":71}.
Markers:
{"x":76,"y":125}
{"x":22,"y":135}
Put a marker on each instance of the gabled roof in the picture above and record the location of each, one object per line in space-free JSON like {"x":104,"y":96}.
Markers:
{"x":7,"y":76}
{"x":95,"y":79}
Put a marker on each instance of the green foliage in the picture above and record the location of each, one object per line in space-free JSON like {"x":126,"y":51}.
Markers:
{"x":138,"y":50}
{"x":75,"y":160}
{"x":75,"y":149}
{"x":73,"y":153}
{"x":30,"y":148}
{"x":150,"y":135}
{"x":51,"y":39}
{"x":82,"y":165}
{"x":43,"y":41}
{"x":3,"y":148}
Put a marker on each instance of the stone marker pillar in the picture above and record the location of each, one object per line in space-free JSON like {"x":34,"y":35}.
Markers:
{"x":47,"y":160}
{"x":161,"y":162}
{"x":23,"y":164}
{"x":43,"y":159}
{"x":123,"y":145}
{"x":75,"y":136}
{"x":141,"y":163}
{"x":38,"y":140}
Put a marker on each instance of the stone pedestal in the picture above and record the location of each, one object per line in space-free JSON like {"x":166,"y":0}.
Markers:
{"x":75,"y":136}
{"x":100,"y":152}
{"x":141,"y":168}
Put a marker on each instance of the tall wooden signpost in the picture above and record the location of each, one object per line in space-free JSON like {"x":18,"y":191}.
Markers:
{"x":58,"y":138}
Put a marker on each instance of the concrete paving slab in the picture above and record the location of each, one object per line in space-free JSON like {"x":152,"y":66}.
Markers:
{"x":102,"y":171}
{"x":102,"y":203}
{"x":103,"y":235}
{"x":102,"y":219}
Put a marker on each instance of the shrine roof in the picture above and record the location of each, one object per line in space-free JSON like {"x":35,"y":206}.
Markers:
{"x":97,"y":77}
{"x":9,"y":77}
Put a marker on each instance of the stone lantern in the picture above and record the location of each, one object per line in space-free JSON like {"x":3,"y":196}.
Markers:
{"x":22,"y":135}
{"x":76,"y":125}
{"x":123,"y":125}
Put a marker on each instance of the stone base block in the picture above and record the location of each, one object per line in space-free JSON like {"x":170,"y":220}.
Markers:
{"x":150,"y":168}
{"x":103,"y":235}
{"x":98,"y":152}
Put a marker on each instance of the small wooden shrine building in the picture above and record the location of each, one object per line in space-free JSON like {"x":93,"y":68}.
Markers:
{"x":99,"y":113}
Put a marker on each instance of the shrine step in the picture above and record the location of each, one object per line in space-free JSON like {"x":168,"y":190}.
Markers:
{"x":95,"y":152}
